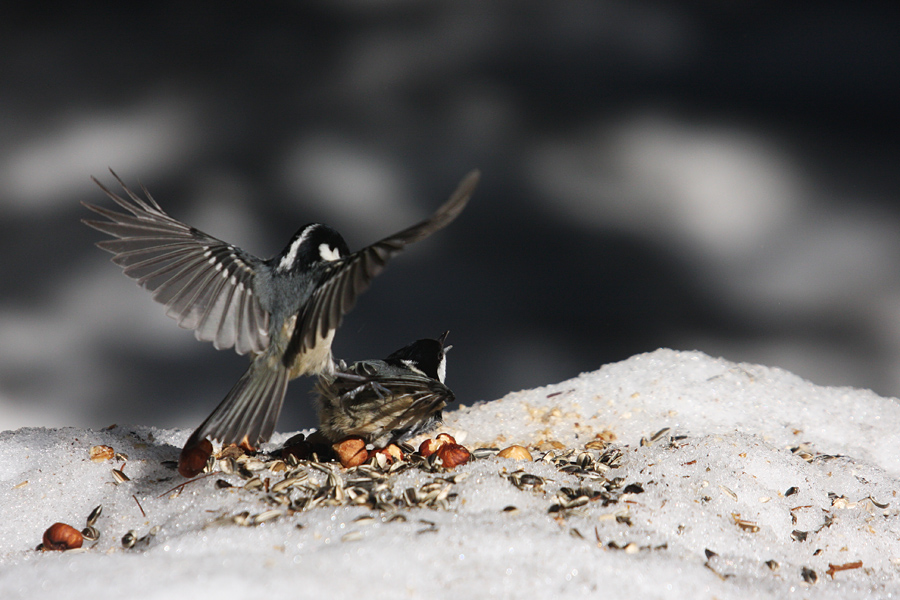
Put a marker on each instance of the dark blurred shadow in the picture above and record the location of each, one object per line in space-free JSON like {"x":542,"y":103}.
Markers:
{"x":606,"y":131}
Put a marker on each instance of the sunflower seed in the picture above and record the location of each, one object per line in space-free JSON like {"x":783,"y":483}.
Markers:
{"x":411,"y":496}
{"x":298,"y":473}
{"x":90,"y":533}
{"x":321,"y":467}
{"x":655,"y":437}
{"x":364,"y":520}
{"x":731,"y":494}
{"x":129,"y":539}
{"x":352,"y":536}
{"x":266,"y":516}
{"x":254,"y":483}
{"x":876,"y":504}
{"x":286,"y":484}
{"x":430,"y":527}
{"x":95,"y":514}
{"x":576,"y":502}
{"x":277,"y":466}
{"x":119,"y":476}
{"x":744,"y":524}
{"x":633,"y":488}
{"x":480,"y":453}
{"x":253,"y":464}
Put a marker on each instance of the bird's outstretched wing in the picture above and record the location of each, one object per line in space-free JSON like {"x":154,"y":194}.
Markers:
{"x":348,"y":277}
{"x":204,"y":283}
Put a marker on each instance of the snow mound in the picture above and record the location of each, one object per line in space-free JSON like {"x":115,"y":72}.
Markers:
{"x":668,"y":475}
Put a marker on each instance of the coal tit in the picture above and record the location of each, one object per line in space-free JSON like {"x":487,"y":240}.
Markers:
{"x":282,"y":311}
{"x":386,"y":401}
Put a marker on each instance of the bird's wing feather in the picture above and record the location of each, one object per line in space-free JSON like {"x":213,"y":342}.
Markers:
{"x":348,"y":277}
{"x":205,"y":284}
{"x":347,"y":387}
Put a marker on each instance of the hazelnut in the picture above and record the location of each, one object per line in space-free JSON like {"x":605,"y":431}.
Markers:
{"x":391,"y":452}
{"x":101,"y":453}
{"x":430,"y":446}
{"x":60,"y":536}
{"x":351,"y":451}
{"x":231,"y":451}
{"x":515,"y":452}
{"x":453,"y":455}
{"x":193,"y":458}
{"x":606,"y":435}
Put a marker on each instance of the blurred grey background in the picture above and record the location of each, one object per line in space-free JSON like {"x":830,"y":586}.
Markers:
{"x":720,"y":176}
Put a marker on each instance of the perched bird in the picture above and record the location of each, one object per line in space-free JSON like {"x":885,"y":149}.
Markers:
{"x":385,"y":401}
{"x":282,"y":311}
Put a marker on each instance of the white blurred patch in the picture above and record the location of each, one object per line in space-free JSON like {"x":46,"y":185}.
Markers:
{"x":222,"y":205}
{"x":54,"y":166}
{"x":58,"y":346}
{"x":364,"y":191}
{"x":720,"y":189}
{"x":838,"y":262}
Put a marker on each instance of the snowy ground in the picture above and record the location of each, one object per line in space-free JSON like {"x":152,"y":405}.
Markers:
{"x":764,"y":486}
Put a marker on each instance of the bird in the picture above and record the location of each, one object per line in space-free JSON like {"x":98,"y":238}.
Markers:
{"x":282,"y":311}
{"x":386,"y":401}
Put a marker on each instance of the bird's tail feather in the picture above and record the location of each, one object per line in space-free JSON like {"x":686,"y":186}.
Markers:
{"x":248,"y":414}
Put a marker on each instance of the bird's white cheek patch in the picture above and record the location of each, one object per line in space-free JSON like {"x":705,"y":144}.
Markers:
{"x":442,"y":369}
{"x":329,"y":253}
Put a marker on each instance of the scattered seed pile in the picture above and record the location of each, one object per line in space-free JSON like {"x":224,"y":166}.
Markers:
{"x":668,"y":475}
{"x":278,"y":485}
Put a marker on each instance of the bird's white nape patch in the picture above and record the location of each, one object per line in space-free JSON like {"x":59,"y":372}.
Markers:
{"x":329,"y":253}
{"x":411,"y":365}
{"x":288,"y":260}
{"x":442,"y":369}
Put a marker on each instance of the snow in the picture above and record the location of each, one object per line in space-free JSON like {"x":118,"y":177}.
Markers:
{"x":757,"y":465}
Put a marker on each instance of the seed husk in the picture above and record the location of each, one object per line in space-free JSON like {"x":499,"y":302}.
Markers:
{"x":119,"y":476}
{"x":95,"y":514}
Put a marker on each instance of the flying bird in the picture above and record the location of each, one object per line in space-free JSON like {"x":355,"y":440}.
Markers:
{"x":282,"y":311}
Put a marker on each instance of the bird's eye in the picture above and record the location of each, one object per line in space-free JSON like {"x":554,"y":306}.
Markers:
{"x":329,"y":253}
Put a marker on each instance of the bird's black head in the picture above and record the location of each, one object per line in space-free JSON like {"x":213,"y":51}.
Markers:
{"x":426,"y":356}
{"x":312,"y":244}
